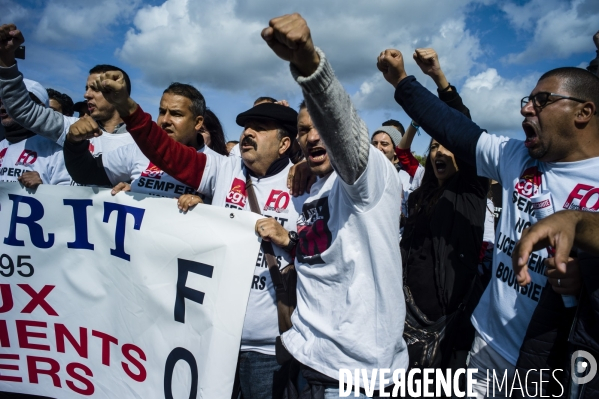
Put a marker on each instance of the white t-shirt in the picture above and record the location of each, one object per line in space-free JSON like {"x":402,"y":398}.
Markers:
{"x":224,"y":180}
{"x":36,"y":154}
{"x":489,"y":234}
{"x":350,"y":304}
{"x":128,"y":164}
{"x":505,"y":309}
{"x":98,"y":145}
{"x":409,"y":184}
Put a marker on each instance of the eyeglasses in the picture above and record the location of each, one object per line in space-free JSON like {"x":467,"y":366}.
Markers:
{"x":541,"y":99}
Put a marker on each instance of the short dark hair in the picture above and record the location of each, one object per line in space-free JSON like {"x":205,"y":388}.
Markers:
{"x":102,"y":68}
{"x":233,"y":141}
{"x":265,"y":99}
{"x":396,"y":124}
{"x":579,"y":83}
{"x":198,"y":103}
{"x":66,"y":103}
{"x":215,"y":130}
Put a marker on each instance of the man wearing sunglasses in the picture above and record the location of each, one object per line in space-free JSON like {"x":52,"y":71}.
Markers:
{"x":558,"y":159}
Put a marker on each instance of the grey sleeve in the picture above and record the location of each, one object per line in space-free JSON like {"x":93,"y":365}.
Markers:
{"x":341,"y":129}
{"x":41,"y":120}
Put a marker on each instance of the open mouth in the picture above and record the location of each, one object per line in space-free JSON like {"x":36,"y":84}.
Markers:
{"x":441,"y":166}
{"x":317,"y":154}
{"x":531,"y":134}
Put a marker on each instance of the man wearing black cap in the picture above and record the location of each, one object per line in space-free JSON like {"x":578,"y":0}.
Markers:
{"x":264,"y":144}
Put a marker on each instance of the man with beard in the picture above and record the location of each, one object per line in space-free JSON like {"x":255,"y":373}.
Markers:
{"x":264,"y":163}
{"x":27,"y":157}
{"x":45,"y":121}
{"x":555,"y":167}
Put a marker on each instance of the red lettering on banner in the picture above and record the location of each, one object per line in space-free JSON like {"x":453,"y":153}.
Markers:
{"x":38,"y":299}
{"x":62,"y":332}
{"x":6,"y":294}
{"x":9,"y":367}
{"x":106,"y":341}
{"x":33,"y":370}
{"x":23,"y":335}
{"x":89,"y":387}
{"x":27,"y":157}
{"x":126,"y":350}
{"x":4,"y":340}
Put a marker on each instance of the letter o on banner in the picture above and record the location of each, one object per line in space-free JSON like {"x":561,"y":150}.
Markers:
{"x":172,"y":359}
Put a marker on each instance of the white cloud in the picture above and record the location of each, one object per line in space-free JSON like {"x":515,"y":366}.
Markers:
{"x":494,"y":101}
{"x":66,"y":22}
{"x":12,"y":12}
{"x":559,"y":29}
{"x":218,"y":44}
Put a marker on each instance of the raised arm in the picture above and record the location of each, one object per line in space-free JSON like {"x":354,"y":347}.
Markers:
{"x":343,"y":132}
{"x":81,"y":165}
{"x":43,"y":121}
{"x":448,"y":126}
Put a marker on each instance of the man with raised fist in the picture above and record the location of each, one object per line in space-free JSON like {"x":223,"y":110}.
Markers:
{"x":45,"y":121}
{"x":556,"y":166}
{"x":349,"y":313}
{"x":264,"y":164}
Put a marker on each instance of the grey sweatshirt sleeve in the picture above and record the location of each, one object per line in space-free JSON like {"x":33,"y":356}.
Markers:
{"x":41,"y":120}
{"x":344,"y":134}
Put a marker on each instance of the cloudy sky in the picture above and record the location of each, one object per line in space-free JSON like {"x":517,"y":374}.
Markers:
{"x":492,"y":51}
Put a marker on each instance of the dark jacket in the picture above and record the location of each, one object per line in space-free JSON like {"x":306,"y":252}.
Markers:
{"x":456,"y":228}
{"x":556,"y":332}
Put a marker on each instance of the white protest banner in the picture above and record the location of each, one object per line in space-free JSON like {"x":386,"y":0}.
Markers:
{"x":120,"y":297}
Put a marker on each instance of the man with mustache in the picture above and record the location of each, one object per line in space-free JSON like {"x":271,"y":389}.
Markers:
{"x":264,"y":162}
{"x":555,"y":167}
{"x":45,"y":121}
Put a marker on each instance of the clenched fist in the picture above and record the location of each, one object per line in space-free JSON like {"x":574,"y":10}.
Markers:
{"x":30,"y":179}
{"x":10,"y":40}
{"x":428,"y":61}
{"x":390,"y":63}
{"x":114,"y":89}
{"x":289,"y":37}
{"x":85,"y":128}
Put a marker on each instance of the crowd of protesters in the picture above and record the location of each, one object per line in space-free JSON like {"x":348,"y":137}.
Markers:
{"x":368,"y":259}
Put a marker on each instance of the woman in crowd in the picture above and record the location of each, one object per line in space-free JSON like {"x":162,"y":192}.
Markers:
{"x":213,"y":134}
{"x":441,"y":246}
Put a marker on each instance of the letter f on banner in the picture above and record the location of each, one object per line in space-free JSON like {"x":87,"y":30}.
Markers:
{"x":185,"y":267}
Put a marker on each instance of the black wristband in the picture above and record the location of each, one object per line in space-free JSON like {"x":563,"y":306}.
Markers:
{"x":445,"y":89}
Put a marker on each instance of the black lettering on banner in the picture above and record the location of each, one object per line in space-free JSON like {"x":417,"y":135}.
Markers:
{"x":159,"y":185}
{"x":172,"y":359}
{"x":141,"y":181}
{"x":184,"y":268}
{"x":149,"y":183}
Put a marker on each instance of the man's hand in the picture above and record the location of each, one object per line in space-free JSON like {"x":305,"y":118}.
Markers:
{"x":596,"y":40}
{"x":30,"y":179}
{"x":390,"y":63}
{"x":565,"y":283}
{"x":10,"y":40}
{"x":113,"y":87}
{"x":122,"y":186}
{"x":558,"y":231}
{"x":85,"y":128}
{"x":289,"y":37}
{"x":188,"y":201}
{"x":271,"y":230}
{"x":428,"y":61}
{"x":300,"y":179}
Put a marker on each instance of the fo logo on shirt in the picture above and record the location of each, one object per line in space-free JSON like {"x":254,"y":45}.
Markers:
{"x":152,"y":171}
{"x":583,"y":197}
{"x":277,"y":201}
{"x":27,"y":157}
{"x":2,"y":154}
{"x":237,"y":195}
{"x":529,"y":182}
